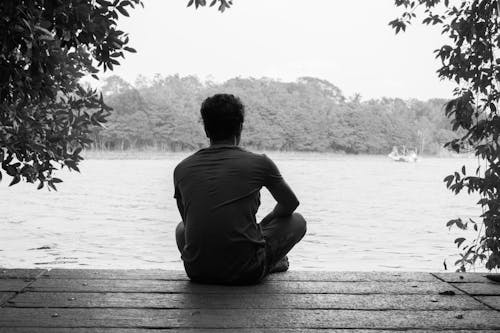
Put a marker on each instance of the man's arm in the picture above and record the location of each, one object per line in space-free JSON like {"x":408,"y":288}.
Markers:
{"x":178,"y":199}
{"x":286,"y":200}
{"x":180,"y":207}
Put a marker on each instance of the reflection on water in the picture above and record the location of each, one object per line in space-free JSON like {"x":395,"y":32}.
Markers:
{"x":363,"y":212}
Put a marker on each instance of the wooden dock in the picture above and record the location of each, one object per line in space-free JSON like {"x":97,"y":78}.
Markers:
{"x":140,"y":301}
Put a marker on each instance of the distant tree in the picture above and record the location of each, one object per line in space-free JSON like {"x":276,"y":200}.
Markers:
{"x":306,"y":115}
{"x":471,"y":59}
{"x":46,"y":116}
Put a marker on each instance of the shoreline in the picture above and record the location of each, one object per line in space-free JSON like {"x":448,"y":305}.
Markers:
{"x":155,"y":154}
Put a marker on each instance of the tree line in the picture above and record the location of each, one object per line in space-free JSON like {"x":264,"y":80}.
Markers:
{"x":309,"y":114}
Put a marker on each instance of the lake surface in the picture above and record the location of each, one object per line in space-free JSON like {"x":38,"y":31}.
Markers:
{"x":363,"y":213}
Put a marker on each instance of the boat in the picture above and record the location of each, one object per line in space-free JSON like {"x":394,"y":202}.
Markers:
{"x":406,"y":155}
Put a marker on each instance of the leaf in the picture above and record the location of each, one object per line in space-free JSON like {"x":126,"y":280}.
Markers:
{"x":16,"y":180}
{"x":130,"y":49}
{"x":56,"y":180}
{"x":459,"y":241}
{"x":51,"y":185}
{"x":461,"y":225}
{"x":45,"y":31}
{"x":448,"y":180}
{"x":77,"y":151}
{"x":493,"y":108}
{"x":190,"y":3}
{"x":452,"y":222}
{"x":122,"y":11}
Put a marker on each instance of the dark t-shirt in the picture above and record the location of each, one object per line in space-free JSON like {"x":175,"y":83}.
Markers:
{"x":218,"y":188}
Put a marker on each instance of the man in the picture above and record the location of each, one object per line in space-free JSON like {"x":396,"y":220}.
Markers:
{"x":217,"y":193}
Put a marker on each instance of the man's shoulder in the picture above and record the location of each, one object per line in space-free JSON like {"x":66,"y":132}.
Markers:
{"x":249,"y":153}
{"x":187,"y":159}
{"x":184,"y":163}
{"x":255,"y":158}
{"x":240,"y":153}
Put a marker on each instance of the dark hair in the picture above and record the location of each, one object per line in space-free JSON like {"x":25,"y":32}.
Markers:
{"x":222,"y":116}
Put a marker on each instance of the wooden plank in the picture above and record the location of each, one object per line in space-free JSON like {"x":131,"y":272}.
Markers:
{"x":19,"y":273}
{"x":116,"y":274}
{"x":249,"y":318}
{"x":202,"y":330}
{"x":493,"y":301}
{"x":353,"y":276}
{"x":4,"y":296}
{"x":245,"y":301}
{"x":268,"y":287}
{"x":490,"y":288}
{"x":463,"y":277}
{"x":142,"y":274}
{"x":13,"y":284}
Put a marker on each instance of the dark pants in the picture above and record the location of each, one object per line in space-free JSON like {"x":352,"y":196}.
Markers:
{"x":281,"y":235}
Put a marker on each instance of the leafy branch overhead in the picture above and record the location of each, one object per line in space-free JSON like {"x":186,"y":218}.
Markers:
{"x":471,"y":60}
{"x":46,"y":116}
{"x":222,"y":4}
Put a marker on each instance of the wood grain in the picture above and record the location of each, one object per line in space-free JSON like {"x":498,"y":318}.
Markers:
{"x":489,"y":288}
{"x":4,"y":296}
{"x":229,"y":330}
{"x":268,"y":287}
{"x":463,"y":277}
{"x":249,"y":318}
{"x":20,"y":273}
{"x":13,"y":284}
{"x":493,"y":301}
{"x":141,"y":274}
{"x":147,"y":301}
{"x":245,"y":301}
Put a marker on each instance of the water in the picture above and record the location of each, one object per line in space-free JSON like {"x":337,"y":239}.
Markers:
{"x":363,"y":212}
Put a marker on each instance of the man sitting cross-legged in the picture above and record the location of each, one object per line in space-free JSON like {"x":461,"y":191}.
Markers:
{"x":218,"y":194}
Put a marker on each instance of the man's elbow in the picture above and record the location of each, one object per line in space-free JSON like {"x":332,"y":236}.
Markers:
{"x":294,"y":205}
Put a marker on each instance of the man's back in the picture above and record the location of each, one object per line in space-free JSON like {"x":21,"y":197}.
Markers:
{"x":218,"y":191}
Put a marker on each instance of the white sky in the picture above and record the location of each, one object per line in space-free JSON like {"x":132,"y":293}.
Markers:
{"x":347,"y":42}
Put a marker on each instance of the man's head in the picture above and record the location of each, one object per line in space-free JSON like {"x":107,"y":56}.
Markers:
{"x":223,"y":116}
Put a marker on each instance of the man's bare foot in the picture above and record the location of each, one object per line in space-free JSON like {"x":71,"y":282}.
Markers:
{"x":281,"y":266}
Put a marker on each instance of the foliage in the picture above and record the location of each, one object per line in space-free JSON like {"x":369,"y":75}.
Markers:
{"x":46,"y":116}
{"x":307,"y":115}
{"x":471,"y":59}
{"x":223,"y":4}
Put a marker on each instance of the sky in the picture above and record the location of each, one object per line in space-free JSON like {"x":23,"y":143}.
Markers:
{"x":348,"y":43}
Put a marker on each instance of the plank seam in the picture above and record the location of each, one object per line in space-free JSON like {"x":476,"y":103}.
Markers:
{"x":212,"y":293}
{"x":250,"y":308}
{"x":271,"y":328}
{"x":267,"y":281}
{"x":23,"y":289}
{"x":466,"y":293}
